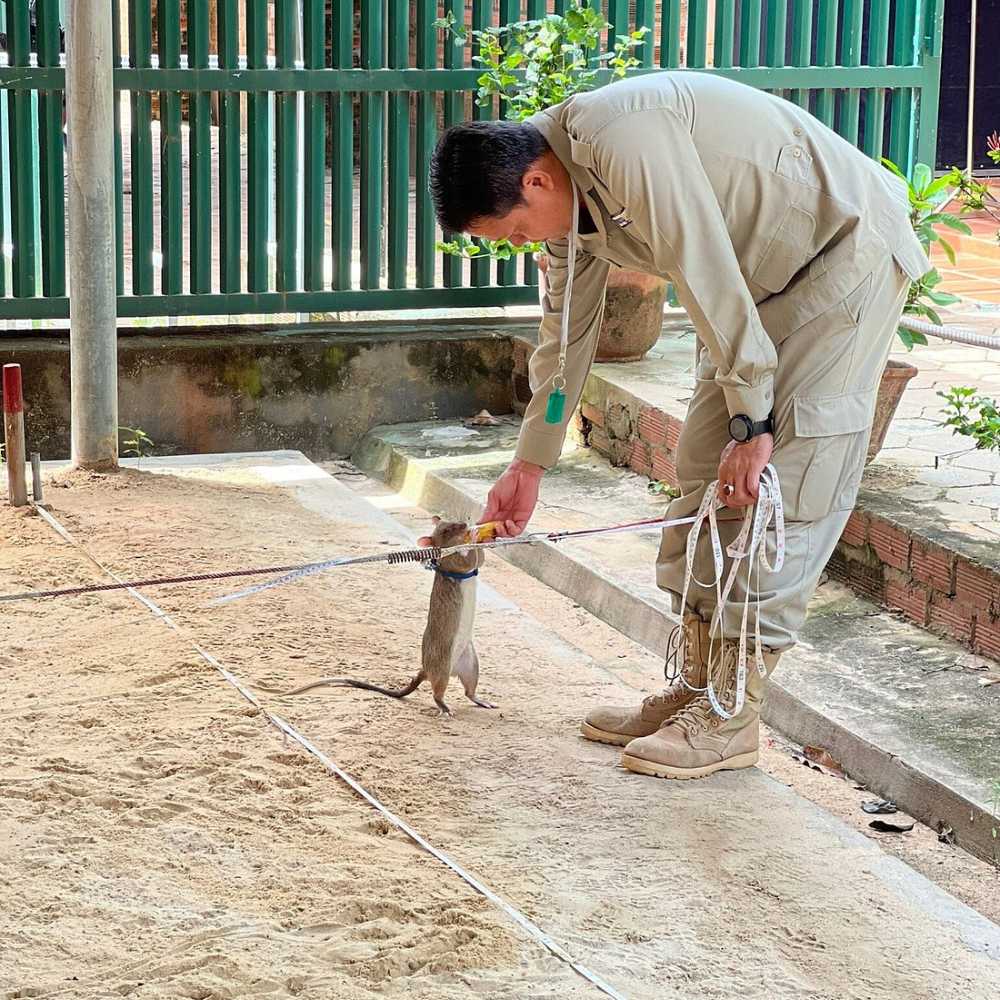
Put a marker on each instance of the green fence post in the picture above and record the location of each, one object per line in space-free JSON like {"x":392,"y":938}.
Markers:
{"x":482,"y":17}
{"x":140,"y":16}
{"x":850,"y":55}
{"x":230,"y":179}
{"x":23,"y":157}
{"x":53,"y":193}
{"x":258,"y":153}
{"x":426,"y":59}
{"x":826,"y":55}
{"x":510,"y":13}
{"x":343,"y":150}
{"x":287,"y":147}
{"x":670,"y":34}
{"x":453,"y":59}
{"x":725,"y":33}
{"x":697,"y":34}
{"x":750,"y":14}
{"x":930,"y":57}
{"x":878,"y":47}
{"x":399,"y":146}
{"x":116,"y":42}
{"x":802,"y":28}
{"x":168,"y":13}
{"x":200,"y":152}
{"x":776,"y":37}
{"x":902,"y":117}
{"x":372,"y":145}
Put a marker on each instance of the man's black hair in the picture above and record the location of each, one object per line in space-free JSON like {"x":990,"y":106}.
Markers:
{"x":477,"y":168}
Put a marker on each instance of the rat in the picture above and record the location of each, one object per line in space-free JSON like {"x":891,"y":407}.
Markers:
{"x":447,"y":643}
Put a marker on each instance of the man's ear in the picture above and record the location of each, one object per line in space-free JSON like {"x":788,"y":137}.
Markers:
{"x":425,"y":542}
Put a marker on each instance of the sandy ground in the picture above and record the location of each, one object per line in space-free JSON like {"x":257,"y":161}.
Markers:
{"x":161,"y":841}
{"x":974,"y":882}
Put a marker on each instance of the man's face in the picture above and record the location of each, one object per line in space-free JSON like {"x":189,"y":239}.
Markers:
{"x":544,"y":214}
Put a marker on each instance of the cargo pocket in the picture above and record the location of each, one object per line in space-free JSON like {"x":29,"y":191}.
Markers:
{"x":821,"y":462}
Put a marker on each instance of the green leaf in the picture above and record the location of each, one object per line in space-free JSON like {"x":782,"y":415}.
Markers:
{"x":949,"y":250}
{"x":886,"y":162}
{"x":906,"y":337}
{"x":922,"y":176}
{"x":943,"y":298}
{"x":954,"y":222}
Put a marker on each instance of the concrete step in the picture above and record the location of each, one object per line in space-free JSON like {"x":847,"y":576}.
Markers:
{"x":901,"y":709}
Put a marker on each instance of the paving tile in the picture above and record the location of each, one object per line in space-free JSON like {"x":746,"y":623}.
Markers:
{"x":907,"y":456}
{"x":988,"y":461}
{"x":947,"y":476}
{"x":961,"y":513}
{"x":984,"y":496}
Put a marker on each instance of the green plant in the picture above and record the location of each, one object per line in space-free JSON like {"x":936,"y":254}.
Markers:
{"x":532,"y":65}
{"x":973,"y":416}
{"x":661,"y":488}
{"x":138,"y":443}
{"x":928,"y":195}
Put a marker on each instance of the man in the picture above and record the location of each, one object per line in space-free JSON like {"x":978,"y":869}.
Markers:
{"x":791,"y":252}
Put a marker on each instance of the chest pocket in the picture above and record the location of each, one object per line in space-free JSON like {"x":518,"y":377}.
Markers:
{"x":789,"y":250}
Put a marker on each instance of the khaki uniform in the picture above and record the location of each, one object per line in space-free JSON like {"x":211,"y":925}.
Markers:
{"x":791,"y":252}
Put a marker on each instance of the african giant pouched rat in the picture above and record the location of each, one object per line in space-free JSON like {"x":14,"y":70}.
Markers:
{"x":447,"y":644}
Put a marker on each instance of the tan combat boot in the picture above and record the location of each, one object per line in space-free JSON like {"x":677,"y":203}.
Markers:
{"x":620,"y":725}
{"x":696,"y":742}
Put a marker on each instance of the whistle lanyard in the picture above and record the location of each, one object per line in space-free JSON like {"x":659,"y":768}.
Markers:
{"x":556,"y":407}
{"x":749,"y":545}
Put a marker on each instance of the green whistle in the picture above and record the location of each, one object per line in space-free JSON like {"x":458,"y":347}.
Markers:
{"x":557,"y":405}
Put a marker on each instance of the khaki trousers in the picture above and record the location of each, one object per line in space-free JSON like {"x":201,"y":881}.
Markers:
{"x":828,"y":373}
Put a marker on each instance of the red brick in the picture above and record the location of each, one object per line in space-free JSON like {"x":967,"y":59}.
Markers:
{"x":977,"y":586}
{"x":638,"y":459}
{"x":599,"y":441}
{"x":891,"y":545}
{"x":653,"y":425}
{"x":856,"y":530}
{"x":909,"y":597}
{"x":663,"y":466}
{"x":593,"y":414}
{"x":952,"y":616}
{"x":674,"y":428}
{"x":933,"y":565}
{"x":987,"y":641}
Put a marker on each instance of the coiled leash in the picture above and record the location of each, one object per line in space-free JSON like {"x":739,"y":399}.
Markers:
{"x":749,"y":545}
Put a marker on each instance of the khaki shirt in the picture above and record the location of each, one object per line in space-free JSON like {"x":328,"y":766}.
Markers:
{"x":733,"y":195}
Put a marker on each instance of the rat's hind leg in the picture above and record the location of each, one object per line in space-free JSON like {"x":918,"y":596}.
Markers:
{"x":439,"y":684}
{"x":467,"y":671}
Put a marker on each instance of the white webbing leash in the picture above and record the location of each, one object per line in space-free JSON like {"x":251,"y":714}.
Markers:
{"x":750,"y":545}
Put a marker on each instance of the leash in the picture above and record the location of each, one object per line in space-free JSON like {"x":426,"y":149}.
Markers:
{"x":749,"y":545}
{"x":299,"y":571}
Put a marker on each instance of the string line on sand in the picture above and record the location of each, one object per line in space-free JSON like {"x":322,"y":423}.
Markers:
{"x":302,"y":570}
{"x":524,"y":922}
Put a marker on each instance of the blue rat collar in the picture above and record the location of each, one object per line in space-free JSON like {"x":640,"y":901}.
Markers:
{"x":433,"y":564}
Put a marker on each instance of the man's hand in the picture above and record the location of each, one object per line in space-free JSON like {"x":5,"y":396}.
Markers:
{"x":512,"y":500}
{"x":741,"y":466}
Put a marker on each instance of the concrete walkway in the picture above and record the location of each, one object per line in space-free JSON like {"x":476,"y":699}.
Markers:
{"x":901,"y":709}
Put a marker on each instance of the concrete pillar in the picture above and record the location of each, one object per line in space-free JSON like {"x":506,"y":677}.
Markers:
{"x":93,"y":335}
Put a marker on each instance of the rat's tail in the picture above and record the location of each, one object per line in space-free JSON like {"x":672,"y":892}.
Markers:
{"x":349,"y":682}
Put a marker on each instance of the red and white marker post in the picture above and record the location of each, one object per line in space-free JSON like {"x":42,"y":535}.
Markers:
{"x":13,"y":427}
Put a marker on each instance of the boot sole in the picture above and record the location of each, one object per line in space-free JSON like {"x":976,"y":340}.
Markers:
{"x":640,"y":766}
{"x":596,"y":735}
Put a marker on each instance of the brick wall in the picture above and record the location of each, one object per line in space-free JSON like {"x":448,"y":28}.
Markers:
{"x":932,"y":585}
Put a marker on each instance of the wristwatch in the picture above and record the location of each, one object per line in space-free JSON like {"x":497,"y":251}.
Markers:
{"x":743,"y":429}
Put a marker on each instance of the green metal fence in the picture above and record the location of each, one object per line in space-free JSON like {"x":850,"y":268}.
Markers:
{"x":272,"y":155}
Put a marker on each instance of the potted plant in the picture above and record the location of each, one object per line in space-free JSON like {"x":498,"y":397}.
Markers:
{"x":929,"y":198}
{"x":530,"y":66}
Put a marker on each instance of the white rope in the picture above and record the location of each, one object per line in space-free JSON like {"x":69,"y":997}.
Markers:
{"x":749,"y":546}
{"x":954,"y":334}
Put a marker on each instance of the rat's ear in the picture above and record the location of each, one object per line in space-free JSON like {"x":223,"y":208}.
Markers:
{"x":425,"y":542}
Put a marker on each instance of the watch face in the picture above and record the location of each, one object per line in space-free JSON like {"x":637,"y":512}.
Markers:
{"x":740,"y":428}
